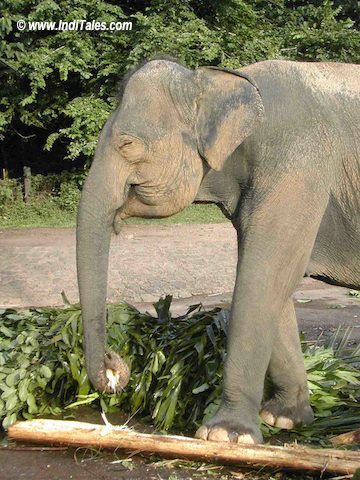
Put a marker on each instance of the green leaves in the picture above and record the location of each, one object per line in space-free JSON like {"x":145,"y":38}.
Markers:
{"x":49,"y":77}
{"x":58,"y":86}
{"x":176,"y":364}
{"x":354,"y":293}
{"x":9,"y":420}
{"x":87,"y":115}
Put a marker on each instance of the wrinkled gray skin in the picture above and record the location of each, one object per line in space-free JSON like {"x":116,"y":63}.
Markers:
{"x":282,"y":161}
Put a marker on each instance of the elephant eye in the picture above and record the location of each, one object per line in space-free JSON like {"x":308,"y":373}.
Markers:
{"x":132,"y":149}
{"x":125,"y":144}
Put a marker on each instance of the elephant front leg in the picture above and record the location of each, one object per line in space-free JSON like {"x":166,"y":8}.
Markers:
{"x":276,"y":237}
{"x":249,"y":346}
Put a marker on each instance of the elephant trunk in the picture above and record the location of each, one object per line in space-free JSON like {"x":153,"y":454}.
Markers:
{"x":102,"y":195}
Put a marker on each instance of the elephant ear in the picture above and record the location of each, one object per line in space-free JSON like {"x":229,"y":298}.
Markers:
{"x":229,"y":109}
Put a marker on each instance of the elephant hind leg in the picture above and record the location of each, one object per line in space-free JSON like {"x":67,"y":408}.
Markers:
{"x":289,"y":404}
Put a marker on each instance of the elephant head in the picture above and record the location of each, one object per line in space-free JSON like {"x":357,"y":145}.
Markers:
{"x":171,"y":126}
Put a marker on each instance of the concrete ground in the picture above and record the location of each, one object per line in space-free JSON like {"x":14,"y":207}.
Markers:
{"x":194,"y":263}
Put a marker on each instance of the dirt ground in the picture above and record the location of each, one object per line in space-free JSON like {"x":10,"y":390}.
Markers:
{"x":194,"y":263}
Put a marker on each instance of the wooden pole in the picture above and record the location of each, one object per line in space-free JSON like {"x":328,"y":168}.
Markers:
{"x":347,"y":438}
{"x":59,"y":432}
{"x":27,"y":183}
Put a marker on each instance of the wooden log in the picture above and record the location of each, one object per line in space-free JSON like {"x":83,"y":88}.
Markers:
{"x":347,"y":438}
{"x":59,"y":432}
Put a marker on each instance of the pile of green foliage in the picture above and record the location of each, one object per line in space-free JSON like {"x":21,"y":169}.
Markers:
{"x":176,"y":364}
{"x":58,"y":87}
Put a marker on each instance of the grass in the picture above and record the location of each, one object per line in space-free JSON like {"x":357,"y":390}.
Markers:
{"x":195,"y":213}
{"x":44,"y":213}
{"x":47,"y":213}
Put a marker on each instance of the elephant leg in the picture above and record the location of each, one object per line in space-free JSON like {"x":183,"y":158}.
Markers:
{"x":289,"y":404}
{"x":276,"y":232}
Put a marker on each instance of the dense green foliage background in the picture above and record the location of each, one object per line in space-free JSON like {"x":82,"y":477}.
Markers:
{"x":57,"y":88}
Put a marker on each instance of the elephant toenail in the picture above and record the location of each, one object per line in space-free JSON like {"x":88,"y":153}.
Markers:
{"x":246,"y":439}
{"x":202,"y":433}
{"x":218,"y":434}
{"x":268,"y":417}
{"x":284,"y":422}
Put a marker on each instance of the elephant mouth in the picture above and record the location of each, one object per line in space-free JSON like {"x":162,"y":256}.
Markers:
{"x":117,"y":223}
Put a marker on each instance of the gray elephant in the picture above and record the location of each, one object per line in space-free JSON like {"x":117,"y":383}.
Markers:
{"x":277,"y":146}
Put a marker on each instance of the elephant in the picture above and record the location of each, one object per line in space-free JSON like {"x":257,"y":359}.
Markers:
{"x":276,"y":145}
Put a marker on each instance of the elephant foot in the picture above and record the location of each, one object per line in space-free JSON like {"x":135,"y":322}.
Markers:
{"x":279,"y":413}
{"x":226,"y":427}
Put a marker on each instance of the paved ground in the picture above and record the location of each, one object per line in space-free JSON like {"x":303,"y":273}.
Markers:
{"x":145,"y":262}
{"x":195,"y":263}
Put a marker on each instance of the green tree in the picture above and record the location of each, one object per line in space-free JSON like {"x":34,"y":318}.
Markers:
{"x":58,"y":87}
